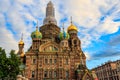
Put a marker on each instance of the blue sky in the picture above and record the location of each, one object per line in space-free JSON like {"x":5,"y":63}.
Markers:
{"x":98,"y":22}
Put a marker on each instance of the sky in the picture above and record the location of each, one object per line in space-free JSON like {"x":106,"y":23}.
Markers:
{"x":98,"y":23}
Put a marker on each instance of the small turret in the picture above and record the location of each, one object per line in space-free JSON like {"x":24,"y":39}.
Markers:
{"x":36,"y":37}
{"x":21,"y":46}
{"x":36,"y":34}
{"x":64,"y":36}
{"x":74,"y":41}
{"x":72,"y":30}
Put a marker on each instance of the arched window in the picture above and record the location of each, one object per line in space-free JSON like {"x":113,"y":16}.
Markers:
{"x":34,"y":61}
{"x":45,"y":73}
{"x":66,"y":61}
{"x":50,"y":61}
{"x":46,"y":61}
{"x":50,"y":74}
{"x":55,"y":74}
{"x":67,"y":74}
{"x":75,"y":42}
{"x":33,"y":74}
{"x":55,"y":61}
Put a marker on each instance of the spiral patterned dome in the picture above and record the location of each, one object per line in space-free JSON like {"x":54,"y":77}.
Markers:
{"x":63,"y":35}
{"x":36,"y":34}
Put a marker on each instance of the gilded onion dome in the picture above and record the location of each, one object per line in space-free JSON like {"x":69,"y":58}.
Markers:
{"x":36,"y":34}
{"x":72,"y":27}
{"x":21,"y":42}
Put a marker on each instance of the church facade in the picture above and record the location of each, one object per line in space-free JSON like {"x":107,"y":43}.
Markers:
{"x":55,"y":54}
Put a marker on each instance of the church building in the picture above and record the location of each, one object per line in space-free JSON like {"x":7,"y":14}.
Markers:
{"x":55,"y":54}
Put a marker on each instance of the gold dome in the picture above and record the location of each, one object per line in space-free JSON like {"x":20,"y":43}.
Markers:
{"x":72,"y":27}
{"x":22,"y":54}
{"x":21,"y":42}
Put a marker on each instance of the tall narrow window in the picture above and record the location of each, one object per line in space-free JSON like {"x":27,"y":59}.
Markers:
{"x":55,"y":61}
{"x":75,"y":43}
{"x":67,"y":74}
{"x":50,"y":61}
{"x":33,"y":74}
{"x":45,"y":74}
{"x":55,"y":74}
{"x":34,"y":61}
{"x":50,"y":74}
{"x":66,"y":61}
{"x":46,"y":61}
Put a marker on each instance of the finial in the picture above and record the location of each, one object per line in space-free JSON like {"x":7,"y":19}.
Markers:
{"x":71,"y":19}
{"x":22,"y":36}
{"x":63,"y":26}
{"x":37,"y":25}
{"x":50,"y":1}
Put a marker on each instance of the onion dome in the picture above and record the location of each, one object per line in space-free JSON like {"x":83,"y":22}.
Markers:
{"x":63,"y":35}
{"x":36,"y":34}
{"x":21,"y":42}
{"x":72,"y":27}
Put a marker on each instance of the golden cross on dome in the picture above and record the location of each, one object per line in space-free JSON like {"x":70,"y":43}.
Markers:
{"x":22,"y":36}
{"x":37,"y":25}
{"x":71,"y":19}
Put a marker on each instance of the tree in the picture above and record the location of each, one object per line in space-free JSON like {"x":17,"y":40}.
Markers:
{"x":9,"y":66}
{"x":3,"y":65}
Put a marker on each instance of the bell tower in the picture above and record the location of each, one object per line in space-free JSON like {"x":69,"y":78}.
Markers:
{"x":74,"y":41}
{"x":49,"y":29}
{"x":64,"y":36}
{"x":36,"y":38}
{"x":50,"y":14}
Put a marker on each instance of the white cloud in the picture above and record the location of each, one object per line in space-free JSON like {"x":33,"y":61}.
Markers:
{"x":87,"y":55}
{"x":7,"y":41}
{"x":108,"y":26}
{"x":86,"y":14}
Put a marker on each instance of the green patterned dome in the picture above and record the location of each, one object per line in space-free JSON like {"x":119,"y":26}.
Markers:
{"x":63,"y":35}
{"x":36,"y":34}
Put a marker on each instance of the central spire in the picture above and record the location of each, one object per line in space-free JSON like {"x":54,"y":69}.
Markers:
{"x":50,"y":14}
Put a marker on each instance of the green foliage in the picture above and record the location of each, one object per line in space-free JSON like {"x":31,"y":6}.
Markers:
{"x":9,"y":66}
